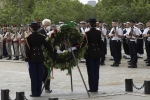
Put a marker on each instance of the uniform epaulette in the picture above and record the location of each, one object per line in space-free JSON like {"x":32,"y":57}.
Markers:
{"x":42,"y":34}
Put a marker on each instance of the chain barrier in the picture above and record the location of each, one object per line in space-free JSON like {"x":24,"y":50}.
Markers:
{"x":140,"y":87}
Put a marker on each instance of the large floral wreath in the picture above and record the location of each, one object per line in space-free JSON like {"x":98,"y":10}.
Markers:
{"x":58,"y":39}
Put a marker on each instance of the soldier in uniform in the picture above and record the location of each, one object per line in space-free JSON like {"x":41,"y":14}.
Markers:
{"x":16,"y":40}
{"x":1,"y":44}
{"x":46,"y":23}
{"x":34,"y":56}
{"x":93,"y":41}
{"x":8,"y":36}
{"x":132,"y":34}
{"x":82,"y":27}
{"x":140,"y":41}
{"x":23,"y":34}
{"x":103,"y":42}
{"x":116,"y":33}
{"x":125,"y":41}
{"x":146,"y":34}
{"x":5,"y":54}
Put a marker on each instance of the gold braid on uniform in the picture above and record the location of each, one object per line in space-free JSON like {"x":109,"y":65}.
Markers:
{"x":46,"y":38}
{"x":42,"y":34}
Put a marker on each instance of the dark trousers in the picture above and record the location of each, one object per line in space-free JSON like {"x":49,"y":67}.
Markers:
{"x":103,"y":51}
{"x":119,"y":47}
{"x":133,"y":51}
{"x":13,"y":48}
{"x":111,"y":47}
{"x":148,"y":50}
{"x":125,"y":47}
{"x":36,"y":75}
{"x":4,"y":49}
{"x":47,"y":85}
{"x":105,"y":45}
{"x":93,"y":73}
{"x":140,"y":48}
{"x":116,"y":48}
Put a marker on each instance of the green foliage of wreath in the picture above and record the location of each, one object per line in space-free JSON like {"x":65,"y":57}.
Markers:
{"x":65,"y":59}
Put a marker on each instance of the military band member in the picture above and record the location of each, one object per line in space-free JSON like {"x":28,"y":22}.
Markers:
{"x":5,"y":54}
{"x":1,"y":44}
{"x":87,"y":26}
{"x":8,"y":36}
{"x":16,"y":40}
{"x":132,"y":34}
{"x":97,"y":24}
{"x":82,"y":27}
{"x":125,"y":41}
{"x":103,"y":43}
{"x":116,"y":33}
{"x":23,"y":34}
{"x":146,"y":34}
{"x":140,"y":41}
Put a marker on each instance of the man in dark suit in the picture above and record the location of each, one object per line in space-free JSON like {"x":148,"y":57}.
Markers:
{"x":34,"y":57}
{"x":93,"y":55}
{"x":46,"y":28}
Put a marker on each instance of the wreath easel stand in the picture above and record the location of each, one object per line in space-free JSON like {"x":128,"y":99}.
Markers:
{"x":70,"y":72}
{"x":78,"y":69}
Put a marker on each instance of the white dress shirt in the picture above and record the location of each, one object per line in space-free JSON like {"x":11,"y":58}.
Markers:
{"x":146,"y":33}
{"x":119,"y":31}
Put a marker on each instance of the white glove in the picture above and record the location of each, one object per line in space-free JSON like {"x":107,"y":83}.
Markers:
{"x":58,"y":51}
{"x":73,"y":48}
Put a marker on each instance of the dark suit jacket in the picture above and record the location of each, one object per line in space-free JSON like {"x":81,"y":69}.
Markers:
{"x":93,"y":41}
{"x":42,"y":31}
{"x":34,"y":44}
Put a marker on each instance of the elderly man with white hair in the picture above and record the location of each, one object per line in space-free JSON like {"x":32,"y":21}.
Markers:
{"x":46,"y":24}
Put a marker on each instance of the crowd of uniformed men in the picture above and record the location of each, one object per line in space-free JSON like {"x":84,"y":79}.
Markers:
{"x":131,"y":35}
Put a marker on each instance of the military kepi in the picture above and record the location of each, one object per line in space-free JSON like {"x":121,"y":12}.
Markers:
{"x":92,"y":20}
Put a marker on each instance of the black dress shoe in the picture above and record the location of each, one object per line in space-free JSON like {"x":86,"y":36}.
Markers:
{"x":48,"y":91}
{"x":129,"y":61}
{"x":92,"y":91}
{"x":146,"y":60}
{"x":148,"y":64}
{"x":102,"y":64}
{"x":1,"y":57}
{"x":133,"y":66}
{"x":115,"y":65}
{"x":34,"y":95}
{"x":129,"y":66}
{"x":9,"y":58}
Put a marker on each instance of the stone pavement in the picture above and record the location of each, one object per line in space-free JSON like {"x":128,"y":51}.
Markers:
{"x":14,"y":76}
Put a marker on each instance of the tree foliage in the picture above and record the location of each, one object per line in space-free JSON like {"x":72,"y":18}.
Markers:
{"x":123,"y":10}
{"x":26,"y":11}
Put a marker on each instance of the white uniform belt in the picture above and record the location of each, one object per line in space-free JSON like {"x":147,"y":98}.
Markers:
{"x":133,"y":39}
{"x":140,"y":38}
{"x":116,"y":40}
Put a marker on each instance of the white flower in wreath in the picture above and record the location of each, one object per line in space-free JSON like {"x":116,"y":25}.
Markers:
{"x":50,"y":33}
